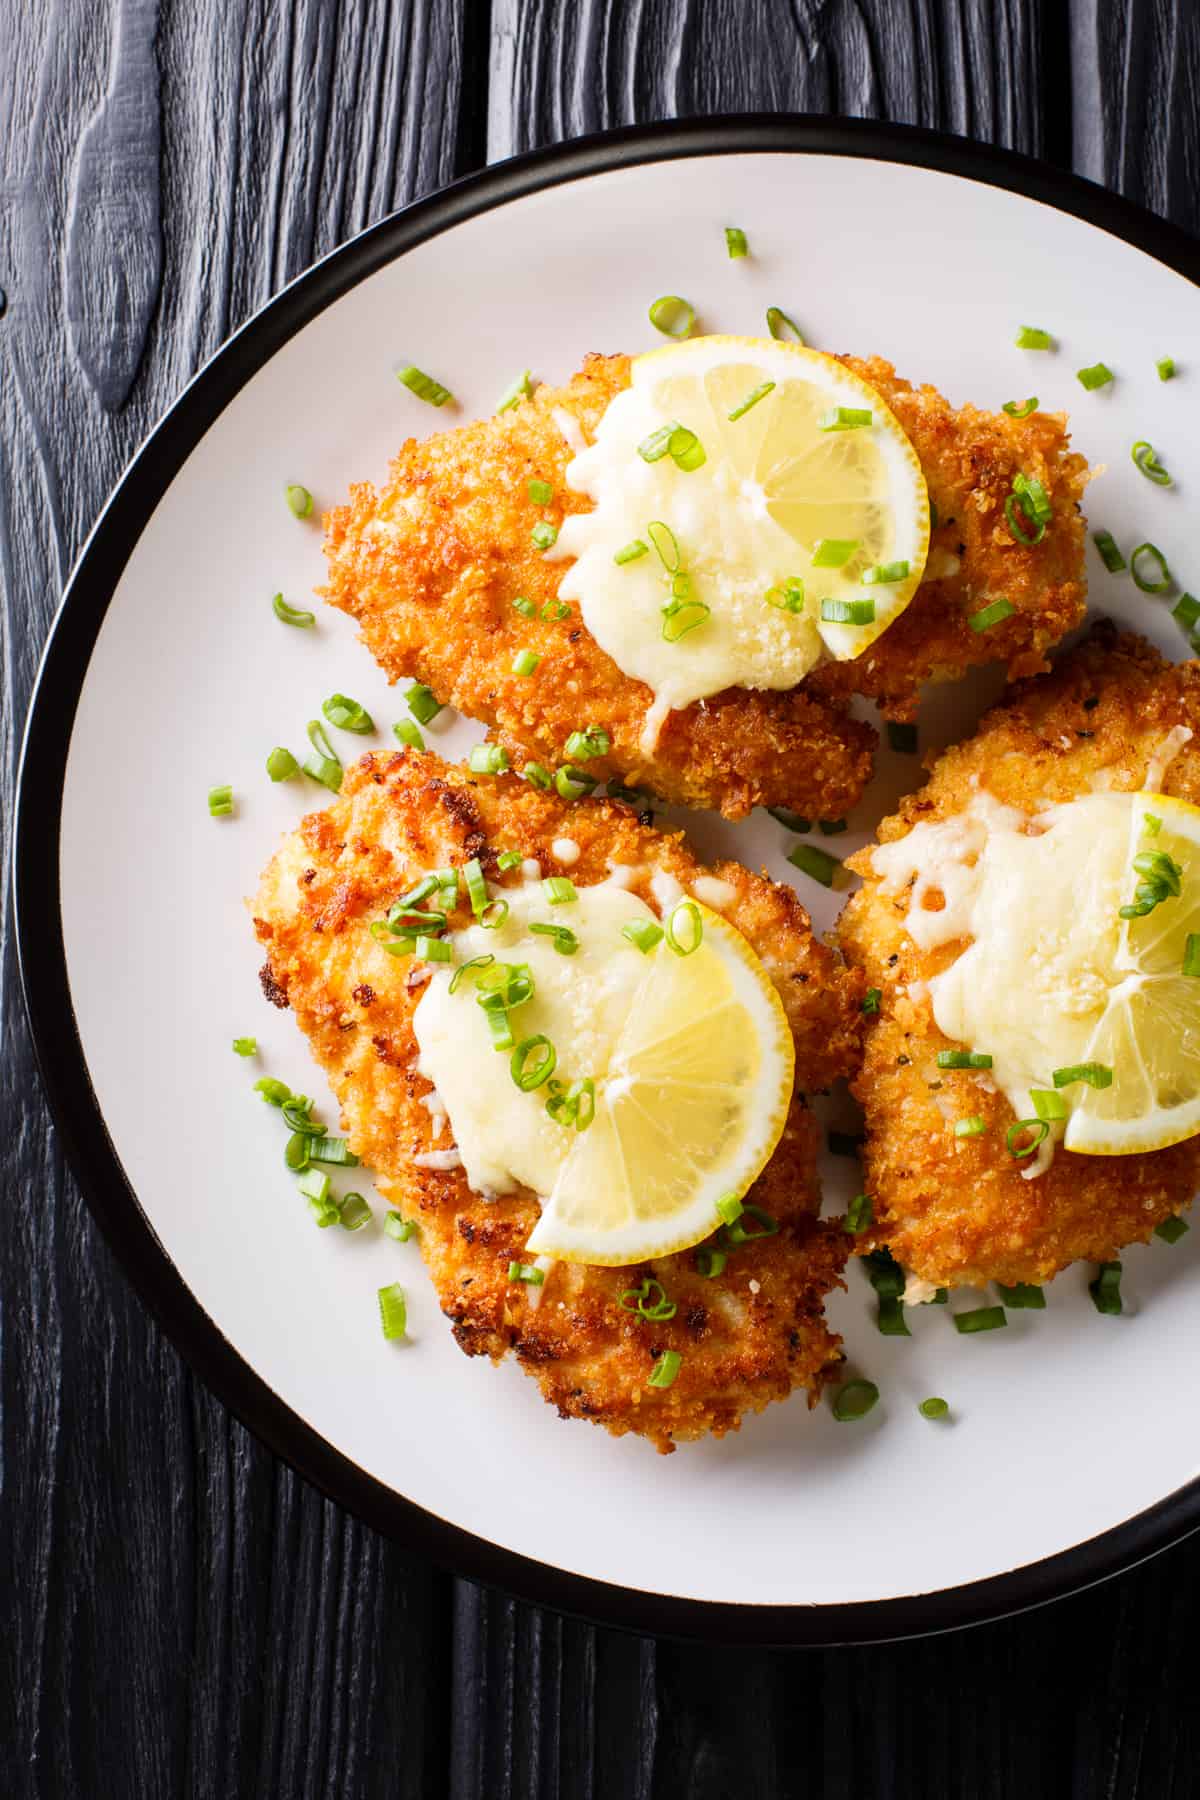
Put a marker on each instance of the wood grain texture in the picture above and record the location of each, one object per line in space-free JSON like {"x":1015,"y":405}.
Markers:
{"x":179,"y":1615}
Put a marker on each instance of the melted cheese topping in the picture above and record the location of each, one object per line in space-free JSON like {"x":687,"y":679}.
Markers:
{"x":1039,"y":897}
{"x":580,"y":1002}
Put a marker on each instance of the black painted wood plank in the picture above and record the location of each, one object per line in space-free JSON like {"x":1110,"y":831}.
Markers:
{"x":181,"y":1616}
{"x":1136,"y":75}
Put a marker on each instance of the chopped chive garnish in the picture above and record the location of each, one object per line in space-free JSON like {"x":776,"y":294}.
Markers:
{"x":423,"y":386}
{"x":1145,"y":458}
{"x":538,"y":776}
{"x":525,"y":663}
{"x":1171,"y":1230}
{"x":525,"y":607}
{"x":987,"y":616}
{"x":529,"y":1273}
{"x":581,"y":746}
{"x":711,"y":1263}
{"x":902,"y":738}
{"x":332,"y":1150}
{"x":687,"y":452}
{"x":300,"y":501}
{"x":665,"y":1370}
{"x":559,"y":890}
{"x":782,"y":327}
{"x":664,"y":541}
{"x":631,"y":551}
{"x":1150,"y":553}
{"x":1106,"y":1288}
{"x":1110,"y":556}
{"x":729,"y":1208}
{"x":532,"y":1062}
{"x":934,"y":1408}
{"x":1048,"y":1104}
{"x":1191,"y":954}
{"x":787,"y":597}
{"x":1023,"y":1295}
{"x":398,"y":1227}
{"x":1022,"y":409}
{"x":963,"y":1059}
{"x":408,"y":732}
{"x":735,"y":241}
{"x":281,"y":764}
{"x":555,"y":609}
{"x":981,"y":1318}
{"x":643,"y":934}
{"x":393,"y":1311}
{"x":572,"y":783}
{"x":1166,"y":367}
{"x":515,"y":392}
{"x":1097,"y":376}
{"x":816,"y":863}
{"x":1095,"y":1074}
{"x":844,"y":1143}
{"x":854,"y":1400}
{"x":889,"y":1317}
{"x":860,"y":1215}
{"x":347,"y":714}
{"x":1032,"y":337}
{"x":871,"y":1000}
{"x":845,"y":418}
{"x":973,"y":1126}
{"x":694,"y":932}
{"x":245,"y":1046}
{"x":422,"y":704}
{"x":752,"y":399}
{"x":543,"y":535}
{"x":681,"y":616}
{"x":540,"y":492}
{"x":291,"y":615}
{"x":354,"y":1213}
{"x":649,"y":1301}
{"x":274,"y":1093}
{"x":848,"y":612}
{"x":789,"y":820}
{"x":738,"y":1233}
{"x":885,"y":572}
{"x":672,"y":315}
{"x":1037,"y":1131}
{"x":488,"y":759}
{"x":1186,"y":612}
{"x":833,"y":553}
{"x":220,"y":801}
{"x":833,"y":827}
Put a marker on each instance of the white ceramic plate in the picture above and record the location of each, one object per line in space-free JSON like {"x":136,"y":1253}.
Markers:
{"x":1067,"y":1456}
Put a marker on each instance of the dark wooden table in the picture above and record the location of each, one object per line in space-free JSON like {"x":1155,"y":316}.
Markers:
{"x":181,"y":1616}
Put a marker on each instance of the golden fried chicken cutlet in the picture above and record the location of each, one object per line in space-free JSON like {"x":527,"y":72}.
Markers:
{"x":748,"y":1336}
{"x":431,"y":564}
{"x":1113,"y":717}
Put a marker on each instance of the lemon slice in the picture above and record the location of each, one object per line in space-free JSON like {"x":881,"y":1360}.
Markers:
{"x":779,"y":502}
{"x":1149,"y":1032}
{"x":693,"y":1103}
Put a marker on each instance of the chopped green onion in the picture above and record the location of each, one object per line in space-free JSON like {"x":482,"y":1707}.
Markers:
{"x":281,"y":764}
{"x":347,"y":714}
{"x":1095,"y":1074}
{"x":494,"y":915}
{"x":422,"y":704}
{"x":1032,"y":337}
{"x":631,"y":551}
{"x":220,"y":802}
{"x":1171,"y":1230}
{"x":1110,"y":555}
{"x":987,"y":616}
{"x":681,"y":616}
{"x":848,"y":612}
{"x":860,"y":1215}
{"x":525,"y":663}
{"x":1166,"y":367}
{"x":653,"y":448}
{"x":295,"y":1152}
{"x":975,"y":1125}
{"x":483,"y":961}
{"x":687,"y":452}
{"x":525,"y":607}
{"x":518,"y":390}
{"x":735,"y":241}
{"x":406,"y":731}
{"x":729,"y":1208}
{"x":476,"y":885}
{"x":1048,"y":1104}
{"x":488,"y":759}
{"x":752,"y":399}
{"x":1038,"y":1127}
{"x":300,"y":501}
{"x":508,"y":859}
{"x":736,"y":1234}
{"x":1097,"y":376}
{"x":529,"y":1074}
{"x":845,"y":418}
{"x":334,"y":1151}
{"x":540,"y":492}
{"x":543,"y":535}
{"x":274,"y":1093}
{"x":1021,"y":410}
{"x":1023,"y":1295}
{"x":844,"y":1143}
{"x":423,"y":386}
{"x":538,"y":775}
{"x":884,"y":1274}
{"x":393,"y":1311}
{"x":555,"y":609}
{"x":559,"y":890}
{"x":398,"y":1227}
{"x":663,"y":539}
{"x":782,"y":327}
{"x":245,"y":1046}
{"x":934,"y":1408}
{"x":1191,"y":954}
{"x":565,"y":941}
{"x":500,"y":1027}
{"x":963,"y":1059}
{"x":1145,"y":458}
{"x":871,"y":1000}
{"x":643,"y":934}
{"x":817,"y":863}
{"x":688,"y":910}
{"x":291,"y":615}
{"x":581,"y":746}
{"x":577,"y":1106}
{"x":529,"y":1273}
{"x":886,"y":572}
{"x":672,"y":315}
{"x":355,"y":1213}
{"x":1106,"y":1288}
{"x":711,"y":1263}
{"x":833,"y":827}
{"x":649,"y":1301}
{"x":1150,"y":553}
{"x":1029,"y":539}
{"x":314,"y":1186}
{"x":902,"y":738}
{"x":788,"y":597}
{"x":1186,"y":612}
{"x":833,"y":553}
{"x":854,"y":1400}
{"x":681,"y":585}
{"x":665,"y":1370}
{"x":572,"y":783}
{"x":431,"y":949}
{"x":889,"y":1318}
{"x":981,"y":1318}
{"x":789,"y":820}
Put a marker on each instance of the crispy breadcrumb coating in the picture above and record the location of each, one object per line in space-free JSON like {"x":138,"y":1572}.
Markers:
{"x":958,"y":1211}
{"x":748,"y":1337}
{"x":430,"y":566}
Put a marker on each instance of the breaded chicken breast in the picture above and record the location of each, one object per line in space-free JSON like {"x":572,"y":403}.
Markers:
{"x":959,"y":1211}
{"x":748,"y":1336}
{"x":431,"y":564}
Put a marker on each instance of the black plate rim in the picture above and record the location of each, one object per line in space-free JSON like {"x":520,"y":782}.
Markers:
{"x":41,"y":949}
